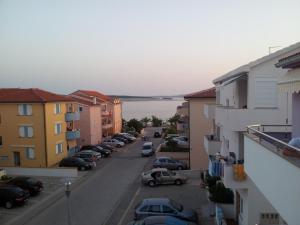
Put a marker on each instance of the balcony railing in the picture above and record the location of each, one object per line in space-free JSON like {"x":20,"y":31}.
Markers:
{"x":72,"y":116}
{"x":107,"y":126}
{"x":212,"y":144}
{"x":72,"y":135}
{"x":106,"y":113}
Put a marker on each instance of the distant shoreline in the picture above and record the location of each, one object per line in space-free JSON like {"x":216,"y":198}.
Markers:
{"x":150,"y":99}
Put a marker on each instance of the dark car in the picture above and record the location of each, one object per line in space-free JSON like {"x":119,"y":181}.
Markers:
{"x":157,"y":134}
{"x":76,"y":162}
{"x":119,"y":138}
{"x":163,"y":207}
{"x":11,"y":196}
{"x":88,"y":154}
{"x":102,"y":151}
{"x":108,"y":147}
{"x":161,"y":220}
{"x":169,"y":163}
{"x":32,"y":185}
{"x":133,"y":133}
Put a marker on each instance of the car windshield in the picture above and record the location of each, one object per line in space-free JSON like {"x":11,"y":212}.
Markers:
{"x":147,"y":147}
{"x":176,"y":205}
{"x":172,"y":173}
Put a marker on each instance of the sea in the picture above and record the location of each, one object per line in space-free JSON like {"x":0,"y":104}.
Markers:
{"x":163,"y":109}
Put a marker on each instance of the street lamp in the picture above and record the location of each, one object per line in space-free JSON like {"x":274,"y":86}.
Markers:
{"x":68,"y":193}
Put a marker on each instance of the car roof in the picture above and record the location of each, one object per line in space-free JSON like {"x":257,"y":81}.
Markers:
{"x":148,"y":143}
{"x":159,"y":169}
{"x":155,"y":200}
{"x":164,"y":157}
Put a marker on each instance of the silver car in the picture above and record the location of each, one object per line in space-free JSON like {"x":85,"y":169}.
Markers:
{"x":162,"y":176}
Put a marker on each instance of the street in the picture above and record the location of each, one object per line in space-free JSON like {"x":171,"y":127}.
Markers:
{"x":95,"y":199}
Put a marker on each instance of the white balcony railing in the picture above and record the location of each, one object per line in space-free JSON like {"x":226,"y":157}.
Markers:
{"x":274,"y":171}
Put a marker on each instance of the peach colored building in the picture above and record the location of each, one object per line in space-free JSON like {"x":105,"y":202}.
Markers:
{"x":199,"y":126}
{"x":100,"y":116}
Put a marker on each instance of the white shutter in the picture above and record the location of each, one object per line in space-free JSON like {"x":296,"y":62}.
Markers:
{"x":30,"y":131}
{"x":29,"y":109}
{"x":266,"y":92}
{"x":21,"y":131}
{"x":55,"y":129}
{"x":20,"y":109}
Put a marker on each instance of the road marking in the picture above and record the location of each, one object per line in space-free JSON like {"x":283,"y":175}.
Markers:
{"x":129,"y":206}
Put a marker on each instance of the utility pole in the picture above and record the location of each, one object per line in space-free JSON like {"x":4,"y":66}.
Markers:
{"x":68,"y":193}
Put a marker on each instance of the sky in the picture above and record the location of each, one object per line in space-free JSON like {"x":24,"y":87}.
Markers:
{"x":137,"y":47}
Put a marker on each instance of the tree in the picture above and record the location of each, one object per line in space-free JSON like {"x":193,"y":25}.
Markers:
{"x":145,"y":121}
{"x":173,"y":120}
{"x":156,"y":122}
{"x":134,"y":123}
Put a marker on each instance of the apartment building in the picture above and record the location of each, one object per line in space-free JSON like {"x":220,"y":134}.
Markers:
{"x":199,"y":126}
{"x":100,"y":115}
{"x":36,"y":127}
{"x":182,"y":125}
{"x":247,"y":95}
{"x":276,"y":172}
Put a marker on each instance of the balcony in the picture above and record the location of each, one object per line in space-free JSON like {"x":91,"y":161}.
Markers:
{"x":73,"y":135}
{"x":235,"y":176}
{"x":215,"y":167}
{"x":212,"y":144}
{"x":107,"y":126}
{"x":209,"y":111}
{"x":236,"y":119}
{"x":72,"y":116}
{"x":106,"y":113}
{"x":275,"y":173}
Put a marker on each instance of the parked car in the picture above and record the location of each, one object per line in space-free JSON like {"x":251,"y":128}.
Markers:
{"x":11,"y":196}
{"x":161,"y":220}
{"x":134,"y":133}
{"x":30,"y":184}
{"x":88,"y":154}
{"x":157,"y":134}
{"x":147,"y":149}
{"x":169,"y":163}
{"x":114,"y":142}
{"x":162,"y":176}
{"x":76,"y":162}
{"x":122,"y":139}
{"x":108,"y":147}
{"x":131,"y":137}
{"x":163,"y":207}
{"x":104,"y":152}
{"x":182,"y":141}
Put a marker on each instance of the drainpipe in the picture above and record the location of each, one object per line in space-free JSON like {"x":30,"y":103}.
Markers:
{"x":45,"y":133}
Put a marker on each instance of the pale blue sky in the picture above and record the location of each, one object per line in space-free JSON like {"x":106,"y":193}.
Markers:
{"x":144,"y":47}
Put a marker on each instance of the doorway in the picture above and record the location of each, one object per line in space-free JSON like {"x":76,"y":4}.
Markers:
{"x":17,"y":159}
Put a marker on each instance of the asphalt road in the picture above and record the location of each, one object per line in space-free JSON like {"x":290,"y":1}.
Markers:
{"x":99,"y":198}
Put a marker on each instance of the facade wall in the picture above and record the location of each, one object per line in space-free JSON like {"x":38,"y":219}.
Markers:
{"x":117,"y":117}
{"x":11,"y":140}
{"x":199,"y":126}
{"x":95,"y":125}
{"x":296,"y":114}
{"x":52,"y":138}
{"x":84,"y":125}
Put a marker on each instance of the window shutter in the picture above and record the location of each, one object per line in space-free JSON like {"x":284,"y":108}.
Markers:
{"x":29,"y":109}
{"x":30,"y":131}
{"x":20,"y":109}
{"x":55,"y":128}
{"x":21,"y":131}
{"x":266,"y":92}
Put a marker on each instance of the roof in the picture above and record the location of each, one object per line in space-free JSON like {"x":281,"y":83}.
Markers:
{"x":246,"y":68}
{"x":30,"y":95}
{"x":208,"y":93}
{"x":95,"y":94}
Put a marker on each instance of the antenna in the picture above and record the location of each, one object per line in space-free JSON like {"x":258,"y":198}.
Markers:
{"x":272,"y":47}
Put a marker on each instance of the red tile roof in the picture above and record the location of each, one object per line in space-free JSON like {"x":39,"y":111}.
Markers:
{"x":94,"y":94}
{"x":208,"y":93}
{"x":20,"y":95}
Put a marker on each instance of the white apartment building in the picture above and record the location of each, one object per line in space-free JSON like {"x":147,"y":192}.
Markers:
{"x":276,"y":172}
{"x":248,"y":95}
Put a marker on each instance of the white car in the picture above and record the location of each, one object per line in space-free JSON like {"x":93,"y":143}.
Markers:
{"x":182,"y":141}
{"x":129,"y":136}
{"x":114,"y":142}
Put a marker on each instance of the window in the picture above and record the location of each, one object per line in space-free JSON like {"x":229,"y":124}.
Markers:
{"x":0,"y":141}
{"x":59,"y":148}
{"x":26,"y":131}
{"x":30,"y":153}
{"x":80,"y":108}
{"x":25,"y":110}
{"x":167,"y":209}
{"x":154,"y":208}
{"x":166,"y":174}
{"x":241,"y":205}
{"x":4,"y":158}
{"x":144,"y":209}
{"x":58,"y":128}
{"x":57,"y":108}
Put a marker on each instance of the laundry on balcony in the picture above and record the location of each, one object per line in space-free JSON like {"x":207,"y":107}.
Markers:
{"x":216,"y":167}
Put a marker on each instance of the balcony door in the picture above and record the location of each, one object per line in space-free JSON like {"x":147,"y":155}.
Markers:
{"x":17,"y":159}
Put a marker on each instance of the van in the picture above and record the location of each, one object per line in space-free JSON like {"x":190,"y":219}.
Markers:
{"x":147,"y":149}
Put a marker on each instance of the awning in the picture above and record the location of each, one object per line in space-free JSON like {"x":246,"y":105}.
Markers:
{"x":233,"y":79}
{"x":290,"y":82}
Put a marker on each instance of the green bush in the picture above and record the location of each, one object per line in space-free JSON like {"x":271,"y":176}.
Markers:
{"x":5,"y":177}
{"x":220,"y":194}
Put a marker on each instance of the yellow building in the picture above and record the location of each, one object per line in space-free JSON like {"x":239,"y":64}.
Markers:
{"x":36,"y":127}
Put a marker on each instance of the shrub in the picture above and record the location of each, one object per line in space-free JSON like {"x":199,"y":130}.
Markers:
{"x":220,"y":194}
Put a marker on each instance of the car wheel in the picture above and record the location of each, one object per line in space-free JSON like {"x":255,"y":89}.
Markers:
{"x":180,"y":168}
{"x":151,"y":183}
{"x":8,"y":205}
{"x":82,"y":168}
{"x":178,"y":182}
